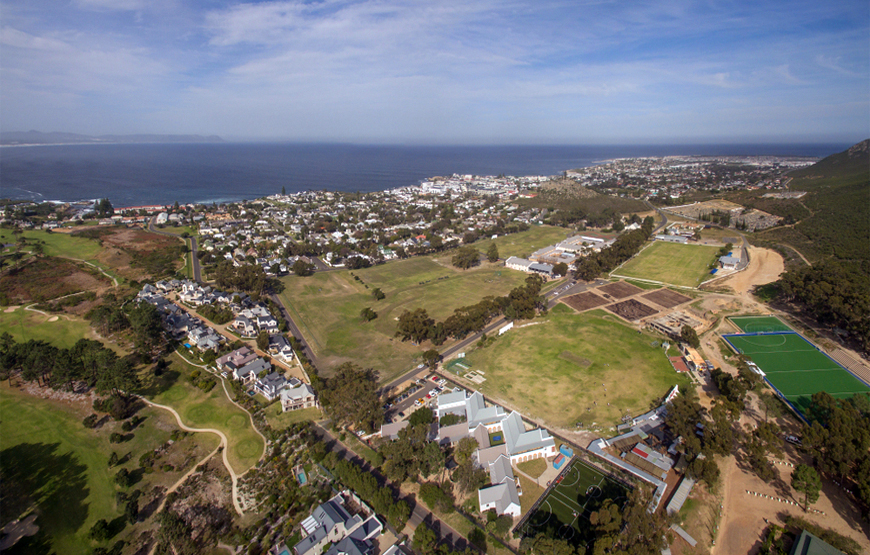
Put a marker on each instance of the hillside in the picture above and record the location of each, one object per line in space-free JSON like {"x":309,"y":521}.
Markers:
{"x":836,"y":210}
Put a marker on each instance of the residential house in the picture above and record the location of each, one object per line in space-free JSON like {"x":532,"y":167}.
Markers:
{"x":250,"y":371}
{"x":280,"y":347}
{"x":332,"y":523}
{"x":271,"y":385}
{"x":236,"y":359}
{"x":299,"y":397}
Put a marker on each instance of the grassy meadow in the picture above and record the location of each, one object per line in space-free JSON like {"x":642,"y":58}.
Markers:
{"x":557,"y":368}
{"x":64,"y":332}
{"x":213,"y":410}
{"x":54,"y":463}
{"x":56,"y":244}
{"x":524,"y":244}
{"x":327,"y":306}
{"x":671,"y":263}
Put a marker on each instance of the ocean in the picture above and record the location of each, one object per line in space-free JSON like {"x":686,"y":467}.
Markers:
{"x":148,"y":174}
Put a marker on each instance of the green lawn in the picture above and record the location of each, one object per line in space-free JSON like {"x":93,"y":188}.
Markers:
{"x":671,"y":263}
{"x":24,"y":325}
{"x":533,"y":468}
{"x":554,"y":369}
{"x":213,"y":410}
{"x":279,"y":419}
{"x":524,"y":244}
{"x":326,"y":307}
{"x":52,"y":461}
{"x":57,"y":244}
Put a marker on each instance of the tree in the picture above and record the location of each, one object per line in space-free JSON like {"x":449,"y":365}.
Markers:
{"x":431,"y":357}
{"x":350,"y":397}
{"x":283,"y":190}
{"x":263,"y":341}
{"x":104,"y":208}
{"x":113,"y":459}
{"x":492,"y":253}
{"x":302,"y":268}
{"x":560,"y":269}
{"x":378,"y":294}
{"x":367,"y":314}
{"x":100,"y":531}
{"x":423,"y":416}
{"x":425,"y":539}
{"x":415,"y":325}
{"x":806,"y":480}
{"x":690,"y":336}
{"x":466,"y":257}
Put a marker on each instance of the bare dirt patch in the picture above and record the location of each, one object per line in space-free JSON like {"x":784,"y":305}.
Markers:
{"x":619,"y":290}
{"x":666,"y":298}
{"x":765,"y":266}
{"x":632,"y":310}
{"x":584,"y":301}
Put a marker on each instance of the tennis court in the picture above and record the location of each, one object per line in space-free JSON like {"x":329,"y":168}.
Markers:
{"x":794,"y":366}
{"x":564,"y":511}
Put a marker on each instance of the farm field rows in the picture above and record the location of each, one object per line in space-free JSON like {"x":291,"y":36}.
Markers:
{"x":327,"y":306}
{"x":671,"y":263}
{"x":565,"y":363}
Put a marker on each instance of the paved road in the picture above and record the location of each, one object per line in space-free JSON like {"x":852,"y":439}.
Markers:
{"x":197,"y":274}
{"x":418,"y":512}
{"x":661,"y":213}
{"x":294,"y":329}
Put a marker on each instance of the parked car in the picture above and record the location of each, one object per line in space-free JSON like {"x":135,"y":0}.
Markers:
{"x":418,"y":403}
{"x":794,"y":440}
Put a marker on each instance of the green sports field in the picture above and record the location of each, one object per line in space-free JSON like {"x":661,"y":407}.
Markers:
{"x":794,"y":366}
{"x":564,"y":511}
{"x":671,"y":263}
{"x":759,"y":324}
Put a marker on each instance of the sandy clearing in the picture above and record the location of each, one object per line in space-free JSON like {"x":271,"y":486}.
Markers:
{"x":12,"y":308}
{"x":765,"y":266}
{"x":53,"y":319}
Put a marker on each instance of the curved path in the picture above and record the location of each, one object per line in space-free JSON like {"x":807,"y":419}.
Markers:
{"x":230,"y":399}
{"x":224,"y":443}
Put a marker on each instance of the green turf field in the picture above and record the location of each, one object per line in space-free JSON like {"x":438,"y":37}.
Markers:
{"x":327,"y":305}
{"x":759,"y":324}
{"x":671,"y":263}
{"x":558,"y":366}
{"x":64,"y":332}
{"x":564,"y":511}
{"x":795,"y":367}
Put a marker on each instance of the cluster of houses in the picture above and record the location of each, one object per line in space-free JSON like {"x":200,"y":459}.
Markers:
{"x":543,"y":260}
{"x":245,"y":366}
{"x":343,"y":525}
{"x":502,"y":441}
{"x":242,"y":364}
{"x":177,"y":322}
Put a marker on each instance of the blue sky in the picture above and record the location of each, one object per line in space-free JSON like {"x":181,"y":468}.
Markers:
{"x":415,"y":71}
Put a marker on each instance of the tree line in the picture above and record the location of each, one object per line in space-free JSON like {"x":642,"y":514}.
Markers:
{"x":522,"y":302}
{"x":606,"y":260}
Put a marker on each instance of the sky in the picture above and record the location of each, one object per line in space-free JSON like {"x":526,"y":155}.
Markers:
{"x":441,"y":72}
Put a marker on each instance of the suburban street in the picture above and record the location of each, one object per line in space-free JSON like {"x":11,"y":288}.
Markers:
{"x":197,"y":276}
{"x":419,"y":513}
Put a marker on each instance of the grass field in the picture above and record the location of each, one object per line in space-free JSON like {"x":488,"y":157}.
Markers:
{"x":213,"y":410}
{"x":795,"y":367}
{"x":326,"y":306}
{"x":524,"y":244}
{"x":755,"y":324}
{"x":685,"y":265}
{"x":280,"y":420}
{"x":56,"y":463}
{"x":559,"y":366}
{"x":534,"y":467}
{"x":64,"y":332}
{"x":57,"y":244}
{"x":564,"y":512}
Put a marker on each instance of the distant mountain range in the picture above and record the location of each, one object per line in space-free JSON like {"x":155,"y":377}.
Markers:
{"x":39,"y":138}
